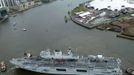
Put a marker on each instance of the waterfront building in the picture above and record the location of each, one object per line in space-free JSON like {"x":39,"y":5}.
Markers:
{"x":30,"y":3}
{"x":2,"y":4}
{"x":3,"y":10}
{"x":17,"y":4}
{"x":9,"y":4}
{"x":25,"y":4}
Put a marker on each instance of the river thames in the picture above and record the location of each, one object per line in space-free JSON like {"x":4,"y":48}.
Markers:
{"x":46,"y":28}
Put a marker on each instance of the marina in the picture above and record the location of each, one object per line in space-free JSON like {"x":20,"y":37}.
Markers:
{"x":116,"y":18}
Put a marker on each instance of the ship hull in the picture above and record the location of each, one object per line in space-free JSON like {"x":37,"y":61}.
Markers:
{"x":53,"y":72}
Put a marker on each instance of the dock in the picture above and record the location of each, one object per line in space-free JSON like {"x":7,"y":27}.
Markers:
{"x":88,"y":26}
{"x":124,"y":36}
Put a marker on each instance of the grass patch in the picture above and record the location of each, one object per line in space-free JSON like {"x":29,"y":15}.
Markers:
{"x":78,"y":9}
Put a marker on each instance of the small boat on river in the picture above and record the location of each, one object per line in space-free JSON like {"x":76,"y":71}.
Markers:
{"x":24,"y":29}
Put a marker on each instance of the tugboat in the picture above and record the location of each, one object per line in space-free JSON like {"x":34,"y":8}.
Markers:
{"x":57,"y":62}
{"x":130,"y":71}
{"x":2,"y":66}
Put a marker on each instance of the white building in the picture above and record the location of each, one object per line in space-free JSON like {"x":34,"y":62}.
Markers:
{"x":11,"y":3}
{"x":8,"y":3}
{"x":2,"y":3}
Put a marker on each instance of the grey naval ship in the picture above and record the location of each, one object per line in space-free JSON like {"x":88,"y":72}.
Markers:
{"x":69,"y":63}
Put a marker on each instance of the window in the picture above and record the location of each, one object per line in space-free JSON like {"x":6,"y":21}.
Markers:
{"x":61,"y":69}
{"x":78,"y":70}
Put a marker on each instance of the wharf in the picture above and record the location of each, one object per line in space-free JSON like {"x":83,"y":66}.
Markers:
{"x":88,"y":26}
{"x":124,"y":36}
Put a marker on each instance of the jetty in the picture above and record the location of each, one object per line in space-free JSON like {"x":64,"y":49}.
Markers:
{"x":86,"y":25}
{"x":124,"y":36}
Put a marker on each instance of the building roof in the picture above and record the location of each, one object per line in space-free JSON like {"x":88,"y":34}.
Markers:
{"x":111,"y":4}
{"x":83,"y":14}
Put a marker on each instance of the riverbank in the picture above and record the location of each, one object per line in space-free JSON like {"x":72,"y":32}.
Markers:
{"x":4,"y":18}
{"x":104,"y":19}
{"x":23,"y":8}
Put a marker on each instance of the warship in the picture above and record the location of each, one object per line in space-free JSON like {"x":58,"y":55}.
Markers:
{"x":68,"y":63}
